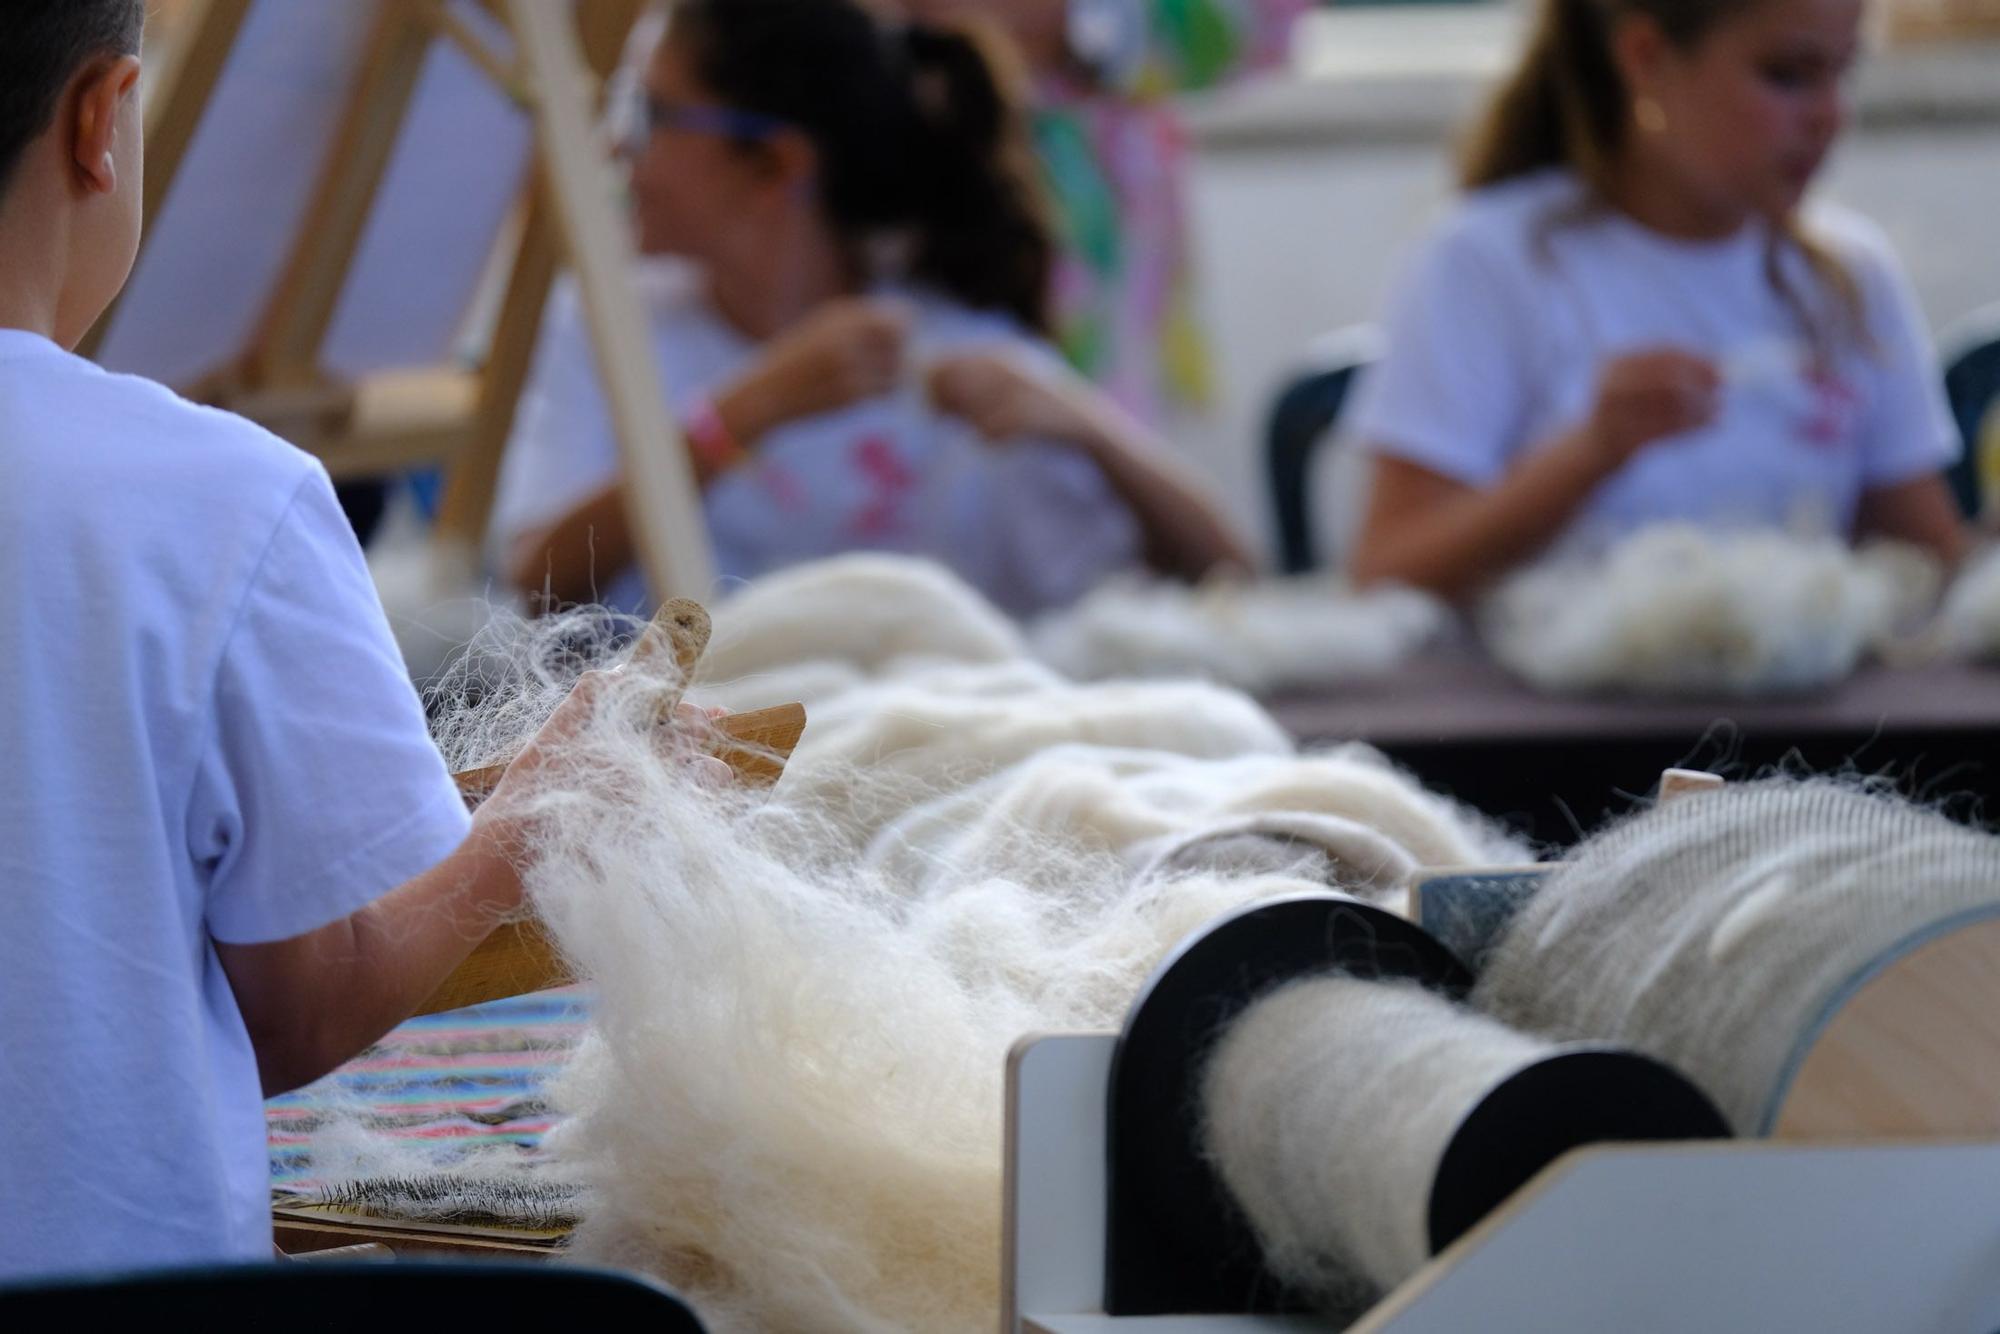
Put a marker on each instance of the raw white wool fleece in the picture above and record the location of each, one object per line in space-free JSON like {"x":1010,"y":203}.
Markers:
{"x":1677,"y":609}
{"x":1970,"y":619}
{"x":1263,"y":636}
{"x":816,"y":631}
{"x":939,"y":730}
{"x":1347,"y":816}
{"x":866,"y":609}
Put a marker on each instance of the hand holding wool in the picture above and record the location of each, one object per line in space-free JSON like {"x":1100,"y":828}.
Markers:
{"x":1649,"y":396}
{"x":847,"y":350}
{"x":1004,"y":399}
{"x":529,"y":772}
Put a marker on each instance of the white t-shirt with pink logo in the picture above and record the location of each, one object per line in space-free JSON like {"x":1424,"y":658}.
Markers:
{"x":1503,"y":323}
{"x":1032,"y":525}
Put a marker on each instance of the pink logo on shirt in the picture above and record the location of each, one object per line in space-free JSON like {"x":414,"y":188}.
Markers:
{"x":890,"y":481}
{"x":1835,"y":402}
{"x":787,"y":492}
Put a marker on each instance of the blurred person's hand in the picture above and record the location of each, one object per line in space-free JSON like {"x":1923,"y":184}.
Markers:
{"x":1650,"y":396}
{"x":1004,"y":399}
{"x":848,"y":350}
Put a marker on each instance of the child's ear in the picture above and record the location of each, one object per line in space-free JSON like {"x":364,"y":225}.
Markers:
{"x":103,"y":92}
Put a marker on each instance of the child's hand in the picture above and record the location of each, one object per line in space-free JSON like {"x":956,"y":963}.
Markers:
{"x":1004,"y":399}
{"x":576,"y":712}
{"x":847,"y":350}
{"x":1649,"y":396}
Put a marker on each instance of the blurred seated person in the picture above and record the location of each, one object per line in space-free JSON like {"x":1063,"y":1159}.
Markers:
{"x":1630,"y":319}
{"x":847,"y":303}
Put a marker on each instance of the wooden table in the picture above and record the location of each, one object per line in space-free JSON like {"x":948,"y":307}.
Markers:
{"x":1555,"y":766}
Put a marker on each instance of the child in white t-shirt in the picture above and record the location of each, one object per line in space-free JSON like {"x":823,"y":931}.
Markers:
{"x":217,"y":774}
{"x":790,"y":145}
{"x":1626,"y":320}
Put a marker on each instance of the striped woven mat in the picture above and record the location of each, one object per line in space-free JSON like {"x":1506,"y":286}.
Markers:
{"x":457,"y":1098}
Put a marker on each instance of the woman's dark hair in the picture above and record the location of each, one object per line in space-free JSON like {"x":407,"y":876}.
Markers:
{"x":43,"y":43}
{"x":1566,"y":105}
{"x":919,"y":130}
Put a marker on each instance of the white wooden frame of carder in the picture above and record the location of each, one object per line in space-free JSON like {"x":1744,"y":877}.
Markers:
{"x":1726,"y":1235}
{"x":566,"y":217}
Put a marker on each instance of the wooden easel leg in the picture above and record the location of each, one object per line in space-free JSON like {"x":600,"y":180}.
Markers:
{"x":602,"y":29}
{"x":475,"y":473}
{"x":660,"y":489}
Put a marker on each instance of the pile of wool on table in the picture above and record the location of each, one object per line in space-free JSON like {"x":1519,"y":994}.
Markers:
{"x":1679,"y":609}
{"x":1265,"y":636}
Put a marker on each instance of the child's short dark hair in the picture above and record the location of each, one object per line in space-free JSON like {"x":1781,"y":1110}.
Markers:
{"x":42,"y":45}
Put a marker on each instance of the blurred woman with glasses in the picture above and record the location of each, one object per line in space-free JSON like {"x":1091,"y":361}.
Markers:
{"x":848,"y":303}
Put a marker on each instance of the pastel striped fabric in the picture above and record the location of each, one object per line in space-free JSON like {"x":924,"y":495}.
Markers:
{"x":468,"y":1082}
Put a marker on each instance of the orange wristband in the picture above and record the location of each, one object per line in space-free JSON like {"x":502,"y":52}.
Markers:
{"x":709,"y":439}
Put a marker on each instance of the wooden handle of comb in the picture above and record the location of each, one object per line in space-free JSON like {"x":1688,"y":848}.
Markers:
{"x":680,"y":627}
{"x":756,"y":744}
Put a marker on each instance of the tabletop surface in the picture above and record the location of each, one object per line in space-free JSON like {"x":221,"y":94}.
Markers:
{"x":1456,"y":697}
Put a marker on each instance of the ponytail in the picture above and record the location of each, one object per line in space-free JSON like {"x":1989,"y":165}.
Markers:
{"x":983,"y":233}
{"x":1563,"y":106}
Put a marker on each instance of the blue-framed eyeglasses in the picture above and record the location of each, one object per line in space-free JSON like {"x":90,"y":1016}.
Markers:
{"x":663,"y":114}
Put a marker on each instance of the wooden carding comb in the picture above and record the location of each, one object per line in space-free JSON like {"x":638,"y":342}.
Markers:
{"x":518,"y":957}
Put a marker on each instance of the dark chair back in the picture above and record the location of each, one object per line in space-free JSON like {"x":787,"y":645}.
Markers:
{"x":1972,"y":383}
{"x":1302,"y":418}
{"x":347,"y":1297}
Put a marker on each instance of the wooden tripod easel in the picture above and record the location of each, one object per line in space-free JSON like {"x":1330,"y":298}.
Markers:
{"x":445,"y":414}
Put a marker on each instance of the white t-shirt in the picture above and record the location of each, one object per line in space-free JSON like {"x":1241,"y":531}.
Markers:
{"x":208,"y":734}
{"x":1029,"y":524}
{"x":1498,"y":334}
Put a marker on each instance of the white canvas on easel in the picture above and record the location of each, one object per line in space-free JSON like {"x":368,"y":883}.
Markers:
{"x":242,"y":192}
{"x":352,"y":173}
